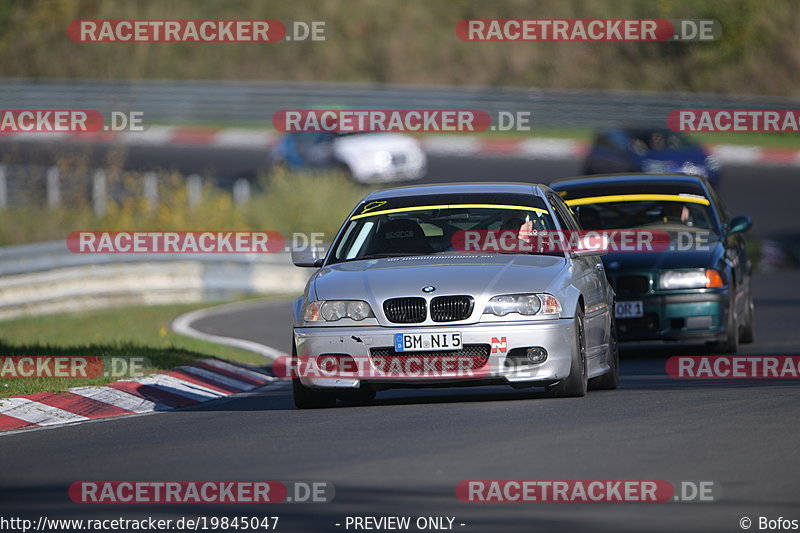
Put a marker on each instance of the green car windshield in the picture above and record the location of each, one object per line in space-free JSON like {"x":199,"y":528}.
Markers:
{"x":668,"y":212}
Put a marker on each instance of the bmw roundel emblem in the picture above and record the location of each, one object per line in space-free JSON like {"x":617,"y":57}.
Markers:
{"x":428,"y":288}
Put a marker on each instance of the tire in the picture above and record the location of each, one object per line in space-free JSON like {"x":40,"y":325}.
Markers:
{"x":731,"y":342}
{"x":306,"y":398}
{"x":610,"y":379}
{"x":748,"y":334}
{"x":576,"y":384}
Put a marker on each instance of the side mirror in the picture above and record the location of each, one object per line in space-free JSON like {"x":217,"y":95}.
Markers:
{"x":591,"y":243}
{"x":588,"y":253}
{"x":739,"y":224}
{"x":310,"y":256}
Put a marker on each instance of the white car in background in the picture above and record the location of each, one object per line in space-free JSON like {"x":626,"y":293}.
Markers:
{"x":369,"y":157}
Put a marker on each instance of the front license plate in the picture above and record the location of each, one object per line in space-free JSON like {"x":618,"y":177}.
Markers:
{"x":426,"y":342}
{"x":629,"y":309}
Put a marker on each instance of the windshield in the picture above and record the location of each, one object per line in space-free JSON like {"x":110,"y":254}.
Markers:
{"x":432,"y":229}
{"x":643,"y":141}
{"x":666,"y":212}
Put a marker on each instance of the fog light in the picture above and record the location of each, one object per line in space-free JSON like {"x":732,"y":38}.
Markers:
{"x":336,"y":365}
{"x":537,"y":355}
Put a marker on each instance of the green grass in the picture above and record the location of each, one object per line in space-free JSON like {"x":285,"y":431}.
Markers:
{"x":122,"y":332}
{"x":290,"y":202}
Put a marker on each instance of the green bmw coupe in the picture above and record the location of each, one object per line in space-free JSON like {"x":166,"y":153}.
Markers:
{"x":696,"y":289}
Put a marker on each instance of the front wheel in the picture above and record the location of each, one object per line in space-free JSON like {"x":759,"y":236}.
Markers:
{"x":576,"y":384}
{"x":730,"y":344}
{"x":306,"y":398}
{"x":360,"y":396}
{"x":749,"y":329}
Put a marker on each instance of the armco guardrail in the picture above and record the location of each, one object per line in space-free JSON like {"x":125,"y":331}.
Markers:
{"x":47,"y":278}
{"x":179,"y":102}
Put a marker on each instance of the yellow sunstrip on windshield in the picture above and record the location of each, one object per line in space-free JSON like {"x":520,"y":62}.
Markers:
{"x":638,"y":198}
{"x":450,"y":206}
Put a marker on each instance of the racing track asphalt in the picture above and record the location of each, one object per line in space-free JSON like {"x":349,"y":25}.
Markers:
{"x":404,"y":455}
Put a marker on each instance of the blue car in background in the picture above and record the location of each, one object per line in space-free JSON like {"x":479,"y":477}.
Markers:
{"x":649,"y":150}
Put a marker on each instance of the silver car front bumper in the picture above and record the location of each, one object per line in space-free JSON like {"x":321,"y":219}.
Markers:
{"x":556,"y":336}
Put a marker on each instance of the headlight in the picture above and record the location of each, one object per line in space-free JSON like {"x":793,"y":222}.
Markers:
{"x":690,"y":279}
{"x":333,"y":310}
{"x":383,"y":158}
{"x":523,"y":304}
{"x":693,"y":169}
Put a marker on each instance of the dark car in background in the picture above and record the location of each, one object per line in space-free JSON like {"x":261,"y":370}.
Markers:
{"x":696,"y":289}
{"x":649,"y":150}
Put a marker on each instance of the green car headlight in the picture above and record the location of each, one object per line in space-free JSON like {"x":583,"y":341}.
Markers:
{"x":690,"y":279}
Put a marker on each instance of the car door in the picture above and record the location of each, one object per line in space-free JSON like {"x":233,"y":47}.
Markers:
{"x":590,"y":278}
{"x":735,"y":256}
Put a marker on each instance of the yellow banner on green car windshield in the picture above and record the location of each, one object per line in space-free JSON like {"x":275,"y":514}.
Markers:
{"x":638,"y":198}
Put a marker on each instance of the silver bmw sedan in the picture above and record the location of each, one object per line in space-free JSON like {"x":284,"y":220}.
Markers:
{"x":453,"y":285}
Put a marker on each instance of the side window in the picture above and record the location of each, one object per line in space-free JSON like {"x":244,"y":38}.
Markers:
{"x":618,"y":140}
{"x":724,"y":215}
{"x":603,"y":140}
{"x":564,"y":216}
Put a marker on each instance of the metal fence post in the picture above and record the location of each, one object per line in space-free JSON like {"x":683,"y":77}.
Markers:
{"x":99,"y":192}
{"x":151,"y":190}
{"x":3,"y":188}
{"x":53,"y":188}
{"x":241,"y":191}
{"x":194,"y":190}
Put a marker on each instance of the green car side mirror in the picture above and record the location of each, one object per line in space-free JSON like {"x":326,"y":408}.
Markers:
{"x":739,"y":224}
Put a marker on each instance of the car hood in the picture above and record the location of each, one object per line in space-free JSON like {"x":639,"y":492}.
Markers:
{"x":671,"y":160}
{"x":481,"y":276}
{"x":670,"y":259}
{"x":680,"y":154}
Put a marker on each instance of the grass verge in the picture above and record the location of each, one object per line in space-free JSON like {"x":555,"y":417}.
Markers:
{"x":286,"y":202}
{"x":128,"y":332}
